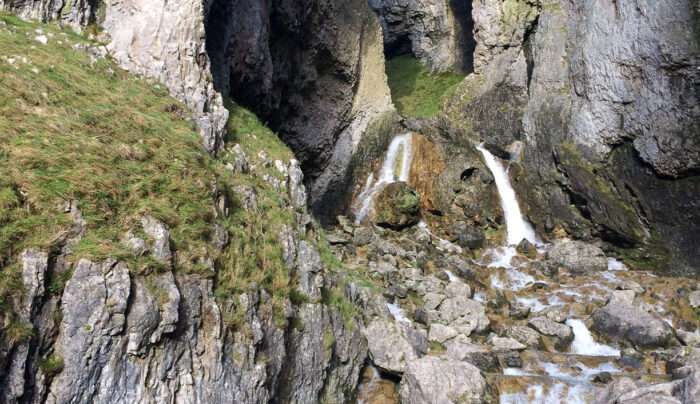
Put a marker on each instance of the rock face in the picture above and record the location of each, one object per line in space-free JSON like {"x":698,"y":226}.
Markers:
{"x":629,"y":323}
{"x":439,"y":380}
{"x":609,"y":90}
{"x":437,"y":32}
{"x":315,"y":72}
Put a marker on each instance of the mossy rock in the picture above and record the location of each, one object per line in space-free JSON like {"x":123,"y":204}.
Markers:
{"x":397,"y":206}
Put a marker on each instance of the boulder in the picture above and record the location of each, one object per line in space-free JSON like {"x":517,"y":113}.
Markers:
{"x":441,"y":333}
{"x":461,"y":348}
{"x":525,"y":335}
{"x":397,"y":206}
{"x":439,"y":380}
{"x":527,"y":249}
{"x":561,"y":335}
{"x":392,"y":346}
{"x":463,"y":314}
{"x":468,"y":237}
{"x":576,"y":256}
{"x":622,"y":321}
{"x":505,"y":343}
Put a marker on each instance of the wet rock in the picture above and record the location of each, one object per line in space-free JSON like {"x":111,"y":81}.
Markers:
{"x":629,"y":323}
{"x":393,"y":345}
{"x":603,"y":377}
{"x":468,"y":237}
{"x":560,"y":334}
{"x":526,"y":248}
{"x":576,"y":256}
{"x":160,"y":248}
{"x":505,"y":343}
{"x":518,"y":311}
{"x":510,"y":359}
{"x":397,"y":206}
{"x":440,"y":380}
{"x":525,"y":335}
{"x":461,"y":348}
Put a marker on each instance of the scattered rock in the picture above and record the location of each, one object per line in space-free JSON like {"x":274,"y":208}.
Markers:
{"x":335,"y":240}
{"x":362,"y":236}
{"x":603,"y":377}
{"x":626,"y":322}
{"x":525,"y":335}
{"x":505,"y":343}
{"x":439,"y":380}
{"x":694,"y":299}
{"x":160,"y":248}
{"x":468,"y":237}
{"x":440,"y":333}
{"x":577,"y":256}
{"x":526,"y":248}
{"x":135,"y":244}
{"x":392,"y":346}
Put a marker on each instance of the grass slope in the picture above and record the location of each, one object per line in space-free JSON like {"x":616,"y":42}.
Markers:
{"x":414,"y":90}
{"x":82,"y":130}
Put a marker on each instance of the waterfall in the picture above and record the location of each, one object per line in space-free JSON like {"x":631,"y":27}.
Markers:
{"x":584,"y":344}
{"x":400,"y":147}
{"x":516,"y":228}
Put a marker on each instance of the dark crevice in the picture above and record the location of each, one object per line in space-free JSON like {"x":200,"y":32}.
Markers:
{"x":462,"y":11}
{"x":528,"y":51}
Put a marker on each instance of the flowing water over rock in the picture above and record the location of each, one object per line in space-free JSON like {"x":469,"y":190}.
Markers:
{"x":396,"y":167}
{"x":516,"y":227}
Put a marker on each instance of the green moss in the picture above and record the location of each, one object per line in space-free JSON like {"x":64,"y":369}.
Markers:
{"x":436,"y":346}
{"x":406,"y":201}
{"x":414,"y":90}
{"x":328,"y":339}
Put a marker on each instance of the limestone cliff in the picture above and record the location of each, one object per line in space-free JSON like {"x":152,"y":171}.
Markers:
{"x":314,"y":71}
{"x":603,"y":97}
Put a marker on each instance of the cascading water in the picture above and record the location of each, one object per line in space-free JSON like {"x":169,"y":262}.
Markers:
{"x":516,"y":227}
{"x":400,"y":148}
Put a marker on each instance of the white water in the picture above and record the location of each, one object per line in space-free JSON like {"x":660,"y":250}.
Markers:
{"x":387,"y":175}
{"x":584,"y":344}
{"x":615,"y":265}
{"x":450,"y":275}
{"x":516,"y":228}
{"x":397,"y":312}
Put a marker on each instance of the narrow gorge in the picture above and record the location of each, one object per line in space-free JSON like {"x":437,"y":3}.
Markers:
{"x":349,"y":201}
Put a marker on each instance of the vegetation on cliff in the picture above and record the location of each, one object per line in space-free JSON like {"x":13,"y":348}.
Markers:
{"x":414,"y":90}
{"x":74,"y":127}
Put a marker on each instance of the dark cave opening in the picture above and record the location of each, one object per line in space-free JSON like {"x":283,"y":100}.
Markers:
{"x":462,"y":11}
{"x":400,"y":45}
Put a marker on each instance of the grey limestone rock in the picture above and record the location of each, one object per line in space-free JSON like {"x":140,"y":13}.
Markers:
{"x":440,"y":380}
